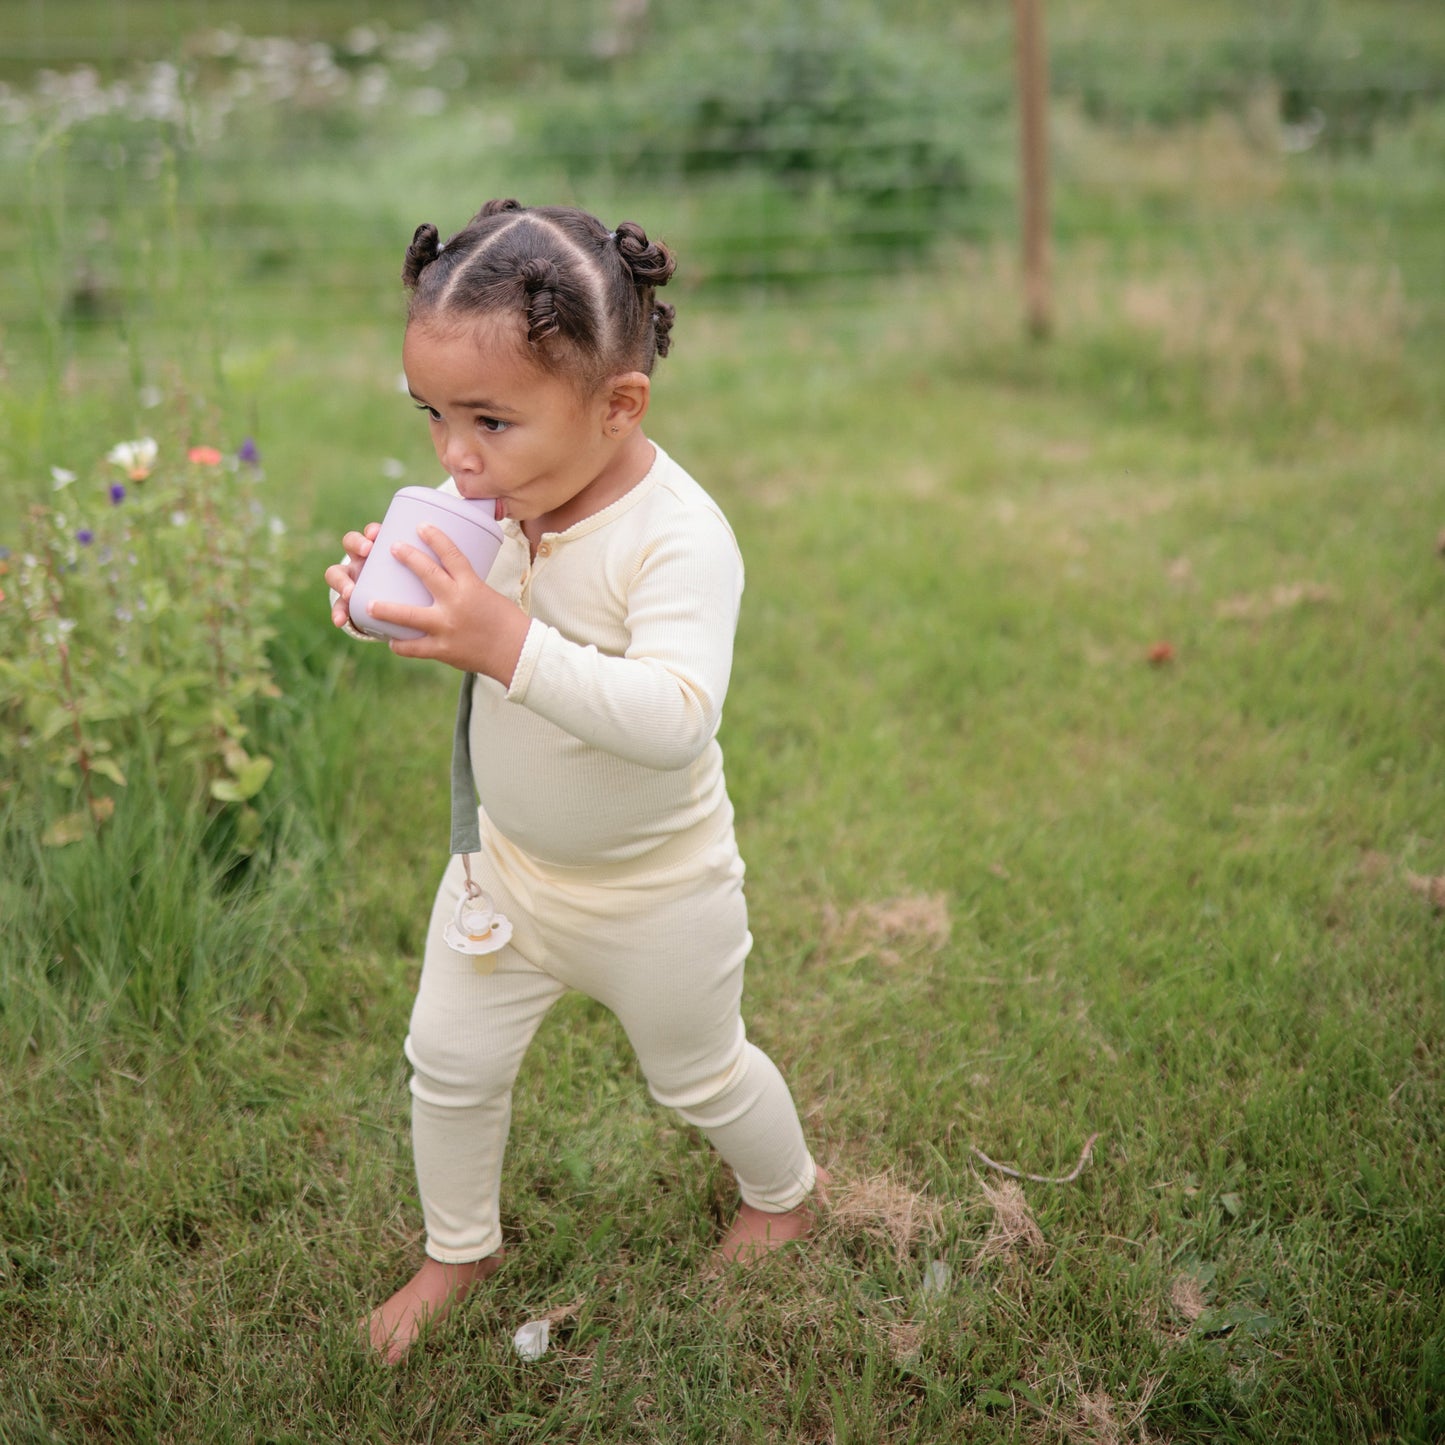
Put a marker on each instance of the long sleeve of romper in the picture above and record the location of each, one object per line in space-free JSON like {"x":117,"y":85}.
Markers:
{"x":659,"y":703}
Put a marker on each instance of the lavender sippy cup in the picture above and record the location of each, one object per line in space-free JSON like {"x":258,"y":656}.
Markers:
{"x":470,"y":524}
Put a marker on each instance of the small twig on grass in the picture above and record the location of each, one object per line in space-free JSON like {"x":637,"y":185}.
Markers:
{"x":562,"y":1313}
{"x":1068,"y":1178}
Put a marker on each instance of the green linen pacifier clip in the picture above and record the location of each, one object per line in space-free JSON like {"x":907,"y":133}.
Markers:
{"x":476,"y":929}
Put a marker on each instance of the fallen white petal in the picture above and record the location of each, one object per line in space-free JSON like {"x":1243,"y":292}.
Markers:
{"x":531,"y":1341}
{"x":936,"y":1277}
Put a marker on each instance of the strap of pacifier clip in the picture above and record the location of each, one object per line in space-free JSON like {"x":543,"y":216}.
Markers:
{"x":476,"y":928}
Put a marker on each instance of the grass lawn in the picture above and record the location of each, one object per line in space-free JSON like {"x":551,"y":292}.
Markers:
{"x":1086,"y":740}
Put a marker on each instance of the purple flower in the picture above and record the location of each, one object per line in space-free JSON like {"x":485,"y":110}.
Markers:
{"x":117,"y":494}
{"x":247,"y":452}
{"x":85,"y":536}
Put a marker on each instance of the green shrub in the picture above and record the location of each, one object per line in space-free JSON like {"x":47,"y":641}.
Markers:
{"x":844,"y":130}
{"x":1339,"y":88}
{"x":1327,"y":82}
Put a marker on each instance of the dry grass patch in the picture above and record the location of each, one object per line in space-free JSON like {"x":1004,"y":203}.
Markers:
{"x":1275,"y":315}
{"x":1013,"y":1229}
{"x":882,"y":1208}
{"x":1187,"y":1296}
{"x":1284,"y":597}
{"x":1431,"y":889}
{"x":890,"y":930}
{"x":1098,"y":1419}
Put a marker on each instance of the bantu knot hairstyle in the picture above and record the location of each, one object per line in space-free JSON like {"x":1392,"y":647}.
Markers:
{"x":424,"y":249}
{"x":585,"y":295}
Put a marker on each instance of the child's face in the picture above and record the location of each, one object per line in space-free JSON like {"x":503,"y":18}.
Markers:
{"x":504,"y":428}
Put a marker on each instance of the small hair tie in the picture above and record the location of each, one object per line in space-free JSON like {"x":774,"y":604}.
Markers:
{"x":612,"y":235}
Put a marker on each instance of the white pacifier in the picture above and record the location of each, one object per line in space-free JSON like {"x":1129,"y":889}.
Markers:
{"x":477,"y":929}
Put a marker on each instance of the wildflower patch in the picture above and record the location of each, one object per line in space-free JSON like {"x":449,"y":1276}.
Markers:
{"x":133,"y":620}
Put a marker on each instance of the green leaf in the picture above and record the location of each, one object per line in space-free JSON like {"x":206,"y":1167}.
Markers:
{"x":56,"y":721}
{"x":181,"y":681}
{"x":101,"y":709}
{"x":225,"y":721}
{"x":157,"y":598}
{"x":248,"y":829}
{"x":64,"y":831}
{"x":108,"y":768}
{"x":1247,"y":1318}
{"x":235,"y":757}
{"x":246,"y":784}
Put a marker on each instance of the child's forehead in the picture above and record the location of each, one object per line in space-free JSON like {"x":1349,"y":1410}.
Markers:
{"x":490,"y":350}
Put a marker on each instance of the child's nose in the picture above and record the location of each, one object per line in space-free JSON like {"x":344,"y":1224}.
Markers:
{"x":458,"y":455}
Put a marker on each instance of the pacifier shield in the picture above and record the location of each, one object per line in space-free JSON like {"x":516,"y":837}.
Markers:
{"x":477,"y":929}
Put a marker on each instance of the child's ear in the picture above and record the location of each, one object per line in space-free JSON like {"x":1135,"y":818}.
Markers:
{"x":627,"y":395}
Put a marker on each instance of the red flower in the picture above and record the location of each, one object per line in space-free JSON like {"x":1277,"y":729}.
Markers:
{"x":204,"y":456}
{"x":1160,"y":654}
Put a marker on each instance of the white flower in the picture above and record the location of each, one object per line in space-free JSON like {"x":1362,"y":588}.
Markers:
{"x":393,"y":468}
{"x":62,"y":477}
{"x":362,"y":40}
{"x":137,"y":457}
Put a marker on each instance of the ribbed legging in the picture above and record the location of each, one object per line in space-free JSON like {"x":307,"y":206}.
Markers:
{"x":662,"y":946}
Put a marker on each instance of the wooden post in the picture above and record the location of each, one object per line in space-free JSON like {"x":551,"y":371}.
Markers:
{"x":1033,"y":104}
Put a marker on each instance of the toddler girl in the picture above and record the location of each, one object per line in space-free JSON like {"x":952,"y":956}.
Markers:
{"x":597,"y":652}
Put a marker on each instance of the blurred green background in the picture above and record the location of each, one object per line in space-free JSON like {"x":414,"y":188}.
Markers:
{"x":1013,"y":883}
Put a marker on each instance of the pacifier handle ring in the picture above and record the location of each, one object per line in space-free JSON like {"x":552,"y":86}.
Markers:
{"x":473,"y":888}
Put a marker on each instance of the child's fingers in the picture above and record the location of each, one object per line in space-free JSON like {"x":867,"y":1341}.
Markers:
{"x":423,"y":647}
{"x":404,"y":614}
{"x":453,"y":559}
{"x":433,"y":576}
{"x":358,"y":544}
{"x":339,"y":578}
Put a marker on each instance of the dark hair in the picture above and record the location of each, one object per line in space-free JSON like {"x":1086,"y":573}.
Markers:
{"x":586,"y":294}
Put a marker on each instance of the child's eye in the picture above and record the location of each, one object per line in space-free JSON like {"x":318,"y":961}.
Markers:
{"x":492,"y":424}
{"x":431,"y":411}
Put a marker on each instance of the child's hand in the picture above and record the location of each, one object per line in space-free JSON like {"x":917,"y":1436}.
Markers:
{"x":469,"y":625}
{"x":341,"y":576}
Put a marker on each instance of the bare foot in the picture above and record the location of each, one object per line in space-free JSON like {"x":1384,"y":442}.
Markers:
{"x":756,"y":1233}
{"x":426,"y":1298}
